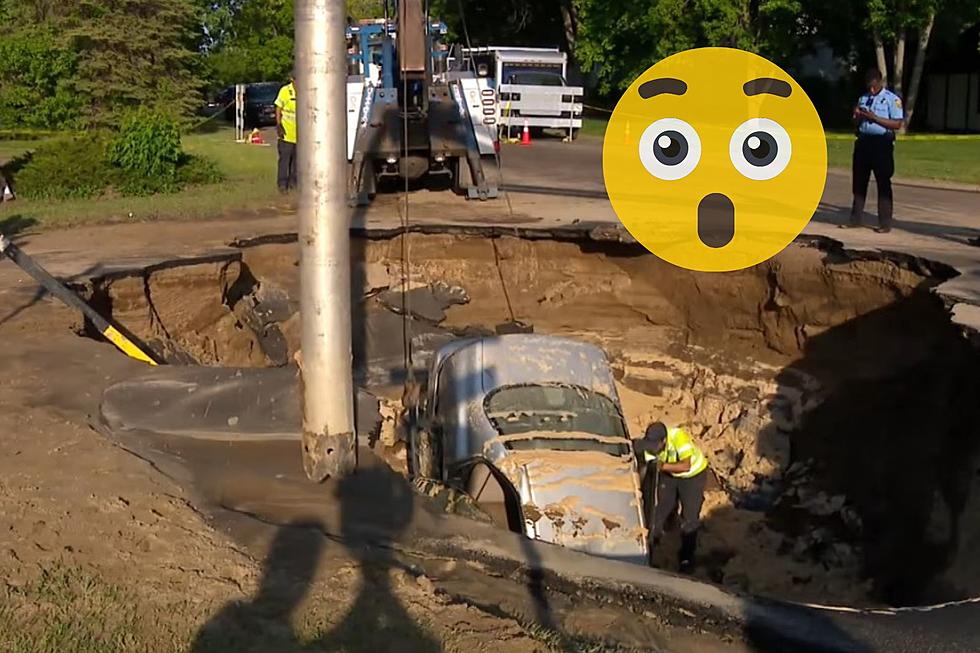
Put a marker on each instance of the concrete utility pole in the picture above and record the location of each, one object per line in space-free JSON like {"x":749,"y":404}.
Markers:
{"x":326,"y":380}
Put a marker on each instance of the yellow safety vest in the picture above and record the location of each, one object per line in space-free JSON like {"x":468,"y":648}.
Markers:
{"x":680,"y":447}
{"x":286,"y":101}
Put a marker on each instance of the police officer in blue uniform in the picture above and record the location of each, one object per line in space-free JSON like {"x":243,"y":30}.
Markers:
{"x":877,"y":115}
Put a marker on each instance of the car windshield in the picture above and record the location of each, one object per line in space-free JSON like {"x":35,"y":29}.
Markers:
{"x":262,"y":93}
{"x":532,"y":78}
{"x":569,"y":444}
{"x":517,"y":409}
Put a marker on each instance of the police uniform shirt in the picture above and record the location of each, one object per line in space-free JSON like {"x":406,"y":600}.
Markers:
{"x":884,"y":104}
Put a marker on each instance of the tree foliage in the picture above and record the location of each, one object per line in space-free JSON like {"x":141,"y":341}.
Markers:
{"x":620,"y":40}
{"x":91,"y":61}
{"x":67,"y":63}
{"x":136,"y":54}
{"x":36,"y":75}
{"x":250,"y":41}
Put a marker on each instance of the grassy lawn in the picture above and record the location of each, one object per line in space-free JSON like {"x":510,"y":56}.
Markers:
{"x":947,"y":160}
{"x":594,"y":126}
{"x":250,"y":184}
{"x":68,"y":610}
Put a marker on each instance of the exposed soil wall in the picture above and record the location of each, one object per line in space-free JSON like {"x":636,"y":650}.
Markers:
{"x":835,"y":400}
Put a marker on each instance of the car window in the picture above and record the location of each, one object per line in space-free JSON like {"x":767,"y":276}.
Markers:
{"x":569,"y":444}
{"x":536,"y":79}
{"x":559,"y":408}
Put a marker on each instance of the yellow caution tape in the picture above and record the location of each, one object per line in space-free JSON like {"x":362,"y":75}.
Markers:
{"x":126,"y":345}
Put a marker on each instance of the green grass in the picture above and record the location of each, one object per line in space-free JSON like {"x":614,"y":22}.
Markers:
{"x":12,"y":149}
{"x":250,"y":184}
{"x":947,"y":160}
{"x":70,"y":610}
{"x":956,"y":160}
{"x":250,"y":179}
{"x":594,"y":126}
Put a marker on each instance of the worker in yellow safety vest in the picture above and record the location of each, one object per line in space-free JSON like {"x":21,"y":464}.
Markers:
{"x":286,"y":129}
{"x":678,"y":476}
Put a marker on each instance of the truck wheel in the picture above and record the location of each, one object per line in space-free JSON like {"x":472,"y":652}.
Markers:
{"x":461,"y":175}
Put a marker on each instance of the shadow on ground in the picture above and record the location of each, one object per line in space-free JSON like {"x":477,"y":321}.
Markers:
{"x":831,"y":214}
{"x":15,"y":224}
{"x":375,"y":621}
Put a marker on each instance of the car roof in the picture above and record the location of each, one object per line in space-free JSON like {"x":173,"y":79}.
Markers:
{"x":522,"y":359}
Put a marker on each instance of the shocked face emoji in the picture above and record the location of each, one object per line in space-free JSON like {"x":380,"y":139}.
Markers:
{"x":714,"y":159}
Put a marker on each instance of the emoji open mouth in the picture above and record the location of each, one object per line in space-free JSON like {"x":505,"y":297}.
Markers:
{"x":716,"y":220}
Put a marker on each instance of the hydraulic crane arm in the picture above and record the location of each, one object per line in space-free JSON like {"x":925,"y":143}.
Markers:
{"x":412,"y":122}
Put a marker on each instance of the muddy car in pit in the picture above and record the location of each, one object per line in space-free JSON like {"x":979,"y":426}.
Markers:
{"x":530,"y":426}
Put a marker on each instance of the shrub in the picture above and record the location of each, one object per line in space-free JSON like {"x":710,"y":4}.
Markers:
{"x":62,"y":169}
{"x":198,"y":170}
{"x":147,"y":152}
{"x":145,"y":158}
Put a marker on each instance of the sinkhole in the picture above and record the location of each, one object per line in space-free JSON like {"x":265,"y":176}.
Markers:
{"x":833,"y":396}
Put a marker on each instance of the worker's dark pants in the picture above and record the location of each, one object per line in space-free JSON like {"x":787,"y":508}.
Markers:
{"x":873,"y":154}
{"x":689,"y":492}
{"x":287,"y":165}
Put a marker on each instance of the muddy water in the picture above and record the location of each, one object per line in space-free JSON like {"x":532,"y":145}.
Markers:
{"x":807,"y":380}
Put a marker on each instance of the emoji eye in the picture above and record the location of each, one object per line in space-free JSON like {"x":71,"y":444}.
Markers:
{"x":670,"y":149}
{"x":760,"y":149}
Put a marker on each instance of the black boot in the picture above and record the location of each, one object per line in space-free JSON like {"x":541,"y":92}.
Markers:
{"x":652,"y":544}
{"x":884,"y":215}
{"x":857,"y":211}
{"x":689,"y":544}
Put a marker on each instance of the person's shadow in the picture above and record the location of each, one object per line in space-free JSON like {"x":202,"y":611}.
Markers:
{"x":263,"y":624}
{"x":375,"y":509}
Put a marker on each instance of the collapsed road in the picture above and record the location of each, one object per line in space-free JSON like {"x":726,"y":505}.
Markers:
{"x":767,"y":364}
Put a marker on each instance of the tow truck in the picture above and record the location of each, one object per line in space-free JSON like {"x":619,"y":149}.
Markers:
{"x":408,"y":116}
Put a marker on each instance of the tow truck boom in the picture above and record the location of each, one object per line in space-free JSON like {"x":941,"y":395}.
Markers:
{"x":412,"y":119}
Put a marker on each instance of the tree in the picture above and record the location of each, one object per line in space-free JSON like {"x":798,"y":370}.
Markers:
{"x":36,"y":67}
{"x":619,"y":40}
{"x":252,"y":40}
{"x":135,"y":54}
{"x":504,"y":22}
{"x":893,"y":23}
{"x":35,"y":81}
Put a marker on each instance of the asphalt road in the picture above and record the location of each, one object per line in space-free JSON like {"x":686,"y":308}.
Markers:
{"x":574,"y":170}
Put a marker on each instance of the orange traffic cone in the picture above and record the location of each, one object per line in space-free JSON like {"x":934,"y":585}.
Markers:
{"x":526,"y":135}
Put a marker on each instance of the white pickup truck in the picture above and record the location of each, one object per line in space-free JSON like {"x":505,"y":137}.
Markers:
{"x":531,"y":87}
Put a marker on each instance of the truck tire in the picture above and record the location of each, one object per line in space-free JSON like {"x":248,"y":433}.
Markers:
{"x":462,"y":179}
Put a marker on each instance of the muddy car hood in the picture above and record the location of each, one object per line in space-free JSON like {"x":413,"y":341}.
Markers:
{"x":584,"y":500}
